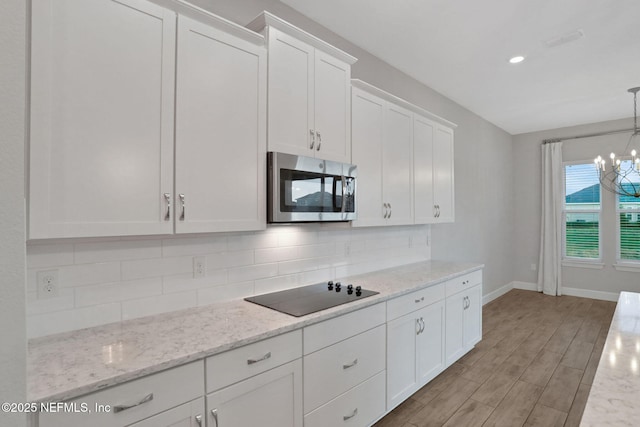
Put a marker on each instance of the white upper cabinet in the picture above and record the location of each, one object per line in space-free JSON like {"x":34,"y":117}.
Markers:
{"x":105,"y":102}
{"x":102,"y":98}
{"x":220,"y":131}
{"x":309,"y":92}
{"x":404,"y":156}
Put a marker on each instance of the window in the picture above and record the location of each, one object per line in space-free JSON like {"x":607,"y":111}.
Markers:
{"x":581,"y":213}
{"x":628,"y":213}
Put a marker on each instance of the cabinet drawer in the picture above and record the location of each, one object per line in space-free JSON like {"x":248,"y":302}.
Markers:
{"x":360,"y":406}
{"x":463,"y":282}
{"x":400,"y":306}
{"x":166,"y":390}
{"x":235,"y":365}
{"x":335,"y":369}
{"x":337,"y":329}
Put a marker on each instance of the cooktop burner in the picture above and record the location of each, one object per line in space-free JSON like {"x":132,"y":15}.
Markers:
{"x":309,"y":299}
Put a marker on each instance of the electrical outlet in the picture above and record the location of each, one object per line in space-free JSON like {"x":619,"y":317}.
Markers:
{"x":199,"y":267}
{"x":47,"y":284}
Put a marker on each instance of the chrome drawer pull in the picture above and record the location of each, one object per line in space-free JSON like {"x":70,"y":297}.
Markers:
{"x":319,"y":141}
{"x":353,"y":414}
{"x":199,"y":420}
{"x":120,"y":408}
{"x":167,"y":198}
{"x":350,"y":365}
{"x":265,"y":357}
{"x":419,"y":300}
{"x":313,"y":138}
{"x":214,"y":414}
{"x":183,"y":206}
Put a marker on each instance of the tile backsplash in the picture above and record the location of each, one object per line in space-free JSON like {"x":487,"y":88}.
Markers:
{"x":107,"y":280}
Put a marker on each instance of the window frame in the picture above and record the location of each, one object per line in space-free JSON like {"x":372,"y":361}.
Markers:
{"x":577,"y":261}
{"x":619,"y":260}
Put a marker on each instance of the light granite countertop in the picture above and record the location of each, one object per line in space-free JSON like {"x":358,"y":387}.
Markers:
{"x":68,"y":365}
{"x":613,"y":399}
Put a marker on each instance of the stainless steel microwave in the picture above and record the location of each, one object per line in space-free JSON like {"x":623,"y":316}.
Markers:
{"x":304,"y":189}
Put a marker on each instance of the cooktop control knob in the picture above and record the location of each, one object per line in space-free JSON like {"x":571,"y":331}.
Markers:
{"x":330,"y":285}
{"x":358,"y":288}
{"x":349,"y":287}
{"x":338,"y":286}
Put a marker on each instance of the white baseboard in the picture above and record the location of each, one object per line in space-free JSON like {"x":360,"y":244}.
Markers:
{"x":497,"y":293}
{"x":574,"y":292}
{"x":586,"y":293}
{"x":527,"y":286}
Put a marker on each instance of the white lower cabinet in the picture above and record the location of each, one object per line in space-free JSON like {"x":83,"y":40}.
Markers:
{"x":464,"y":315}
{"x":138,"y":400}
{"x":188,"y":415}
{"x":360,"y":406}
{"x":415,"y":351}
{"x":271,"y":399}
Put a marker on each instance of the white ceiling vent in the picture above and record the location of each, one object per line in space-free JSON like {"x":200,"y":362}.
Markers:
{"x":564,"y":38}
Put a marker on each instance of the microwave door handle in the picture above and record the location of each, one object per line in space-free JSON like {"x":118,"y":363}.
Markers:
{"x":334,"y":196}
{"x":344,"y":193}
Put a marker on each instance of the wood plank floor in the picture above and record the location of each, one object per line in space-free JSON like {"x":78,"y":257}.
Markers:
{"x":533,"y":367}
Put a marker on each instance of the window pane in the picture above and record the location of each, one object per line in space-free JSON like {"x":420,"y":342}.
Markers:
{"x":630,"y":236}
{"x":582,"y":187}
{"x":582,"y":235}
{"x":631,"y":185}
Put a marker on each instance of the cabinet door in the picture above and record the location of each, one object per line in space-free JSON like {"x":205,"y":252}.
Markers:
{"x":367,"y":122}
{"x":430,"y":343}
{"x":188,"y":415}
{"x":454,"y":326}
{"x":473,"y":317}
{"x":402,"y":372}
{"x":291,"y":76}
{"x":443,"y":173}
{"x":220,"y":131}
{"x":102,"y":96}
{"x":397,"y":171}
{"x":271,"y":399}
{"x":332,"y":108}
{"x":423,"y":131}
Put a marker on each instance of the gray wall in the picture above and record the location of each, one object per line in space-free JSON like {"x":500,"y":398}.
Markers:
{"x":484,"y":211}
{"x":527,"y":202}
{"x":12,"y":213}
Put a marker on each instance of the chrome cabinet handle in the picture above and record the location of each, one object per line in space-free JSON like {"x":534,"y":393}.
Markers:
{"x":265,"y":357}
{"x":124,"y":407}
{"x":386,"y":212}
{"x":350,"y":365}
{"x":199,"y":420}
{"x":438,"y":211}
{"x":418,"y":327}
{"x":183,"y":207}
{"x":313,"y":138}
{"x":167,"y":198}
{"x":214,"y":414}
{"x":390,"y":211}
{"x":353,"y":414}
{"x":419,"y":300}
{"x":319,"y":141}
{"x":422,"y":323}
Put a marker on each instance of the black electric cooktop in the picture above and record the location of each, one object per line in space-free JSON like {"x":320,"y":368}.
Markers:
{"x":309,"y":299}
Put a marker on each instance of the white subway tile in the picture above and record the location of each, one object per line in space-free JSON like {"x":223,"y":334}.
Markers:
{"x":156,"y":267}
{"x":268,"y":255}
{"x":186,"y":282}
{"x":277,"y":283}
{"x":252,"y":272}
{"x":132,"y":309}
{"x":121,"y":250}
{"x":244,"y":241}
{"x":119,"y":291}
{"x":300,"y":265}
{"x":40,"y":256}
{"x":89,"y":274}
{"x":317,"y":276}
{"x":217,"y":294}
{"x":296,"y":236}
{"x":201,"y":245}
{"x":229,"y":259}
{"x":64,"y":301}
{"x":69,"y":320}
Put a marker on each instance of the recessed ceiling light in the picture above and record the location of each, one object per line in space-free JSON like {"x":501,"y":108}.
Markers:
{"x":516,"y":59}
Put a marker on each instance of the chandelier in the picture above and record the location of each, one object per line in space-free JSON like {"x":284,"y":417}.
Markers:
{"x":623,"y":177}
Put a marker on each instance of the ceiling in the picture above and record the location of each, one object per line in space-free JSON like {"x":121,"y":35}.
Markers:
{"x":461,"y":49}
